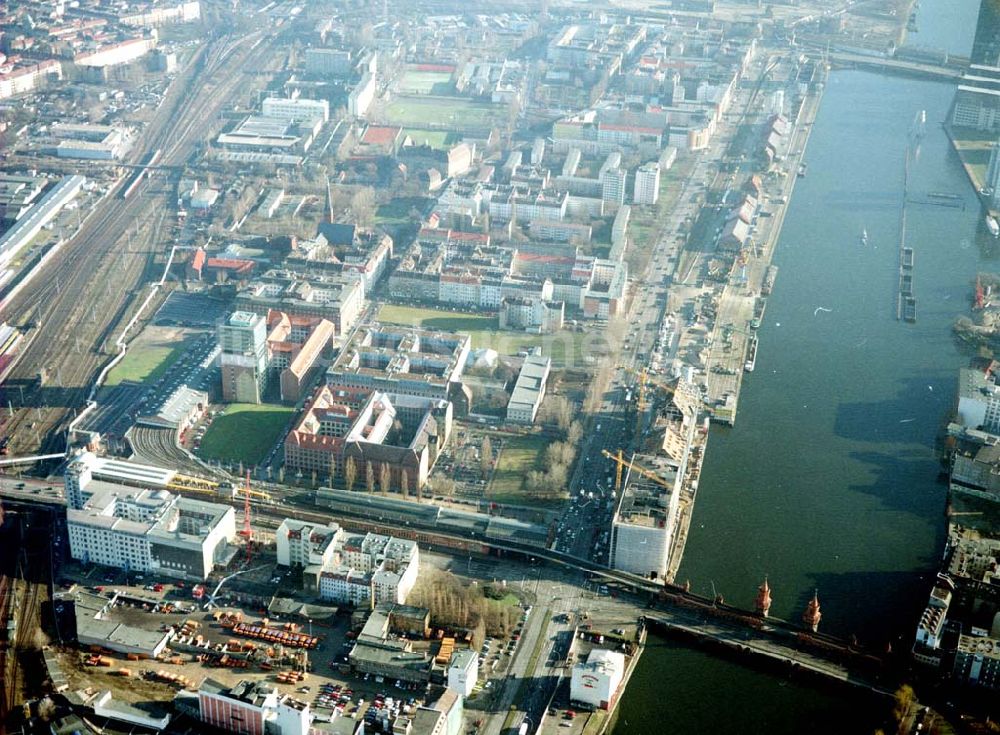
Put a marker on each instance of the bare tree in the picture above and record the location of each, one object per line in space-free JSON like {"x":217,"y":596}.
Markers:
{"x":385,"y":478}
{"x":369,"y":477}
{"x":350,"y":473}
{"x":363,"y":206}
{"x":444,"y":486}
{"x":404,"y":483}
{"x":486,"y":457}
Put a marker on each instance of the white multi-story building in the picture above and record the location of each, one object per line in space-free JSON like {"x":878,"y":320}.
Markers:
{"x":392,"y":562}
{"x":529,"y":390}
{"x":613,"y":185}
{"x":463,"y":671}
{"x":647,"y":184}
{"x":345,"y":585}
{"x":362,"y":96}
{"x":121,"y":515}
{"x":328,"y":62}
{"x":296,"y":109}
{"x":302,"y":544}
{"x":978,"y":401}
{"x":361,"y":570}
{"x":24,"y":79}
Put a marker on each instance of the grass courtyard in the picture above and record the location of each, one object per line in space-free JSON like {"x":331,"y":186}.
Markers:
{"x":438,"y":139}
{"x":444,"y":111}
{"x":520,"y":455}
{"x":397,"y":211}
{"x":145,"y":362}
{"x":245,"y":432}
{"x":567,"y":349}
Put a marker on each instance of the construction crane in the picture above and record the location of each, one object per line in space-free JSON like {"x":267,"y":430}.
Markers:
{"x":621,"y":463}
{"x":211,"y":598}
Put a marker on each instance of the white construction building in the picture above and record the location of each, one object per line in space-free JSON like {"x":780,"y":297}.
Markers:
{"x":123,"y":515}
{"x":646,"y":189}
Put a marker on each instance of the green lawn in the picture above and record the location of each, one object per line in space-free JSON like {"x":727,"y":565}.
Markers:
{"x":438,"y":139}
{"x":520,"y":455}
{"x":444,"y":111}
{"x":245,"y":433}
{"x":567,"y":349}
{"x":144,"y":362}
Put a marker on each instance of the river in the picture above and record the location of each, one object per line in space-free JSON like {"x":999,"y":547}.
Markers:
{"x":830,"y":479}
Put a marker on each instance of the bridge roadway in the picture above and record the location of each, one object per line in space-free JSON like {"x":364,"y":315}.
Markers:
{"x":921,"y":69}
{"x":671,"y":608}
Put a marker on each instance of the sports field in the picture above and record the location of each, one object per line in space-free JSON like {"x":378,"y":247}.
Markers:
{"x":444,"y":111}
{"x":144,"y":362}
{"x":245,"y":432}
{"x":567,"y":349}
{"x":425,"y":82}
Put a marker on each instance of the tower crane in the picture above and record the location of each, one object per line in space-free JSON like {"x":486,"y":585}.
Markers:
{"x":622,"y":463}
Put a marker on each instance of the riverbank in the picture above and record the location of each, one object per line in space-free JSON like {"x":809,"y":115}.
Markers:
{"x":830,"y":479}
{"x":733,"y":333}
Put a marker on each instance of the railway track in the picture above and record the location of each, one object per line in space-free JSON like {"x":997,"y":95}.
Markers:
{"x":90,"y":289}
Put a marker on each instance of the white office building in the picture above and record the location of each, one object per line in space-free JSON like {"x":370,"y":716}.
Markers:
{"x":122,"y":515}
{"x":463,"y":671}
{"x":362,"y":96}
{"x":978,"y":401}
{"x":296,"y":109}
{"x":301,"y":544}
{"x":646,"y":189}
{"x":358,"y":569}
{"x":329,"y":62}
{"x":596,"y":681}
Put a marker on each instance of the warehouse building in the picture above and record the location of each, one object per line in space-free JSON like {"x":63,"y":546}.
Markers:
{"x":98,"y":142}
{"x":92,"y":619}
{"x":529,"y":390}
{"x":380,"y":651}
{"x":30,"y":224}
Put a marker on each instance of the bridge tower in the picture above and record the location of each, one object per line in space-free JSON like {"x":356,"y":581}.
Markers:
{"x":812,"y":615}
{"x":763,"y":603}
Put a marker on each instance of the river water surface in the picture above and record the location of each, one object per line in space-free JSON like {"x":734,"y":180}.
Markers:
{"x":830,"y":479}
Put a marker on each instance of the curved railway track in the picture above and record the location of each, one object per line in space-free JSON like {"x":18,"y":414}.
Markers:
{"x":88,"y":292}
